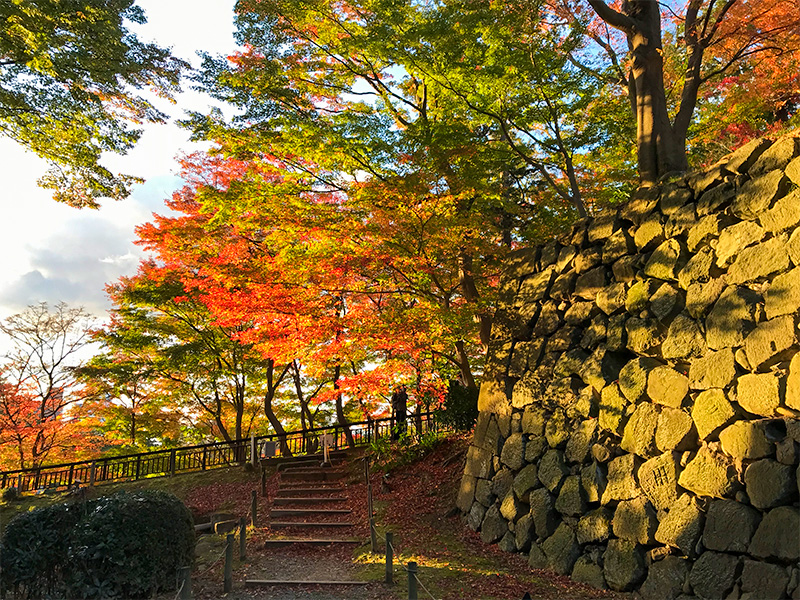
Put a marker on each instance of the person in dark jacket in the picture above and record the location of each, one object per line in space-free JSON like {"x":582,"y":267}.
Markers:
{"x":399,"y":401}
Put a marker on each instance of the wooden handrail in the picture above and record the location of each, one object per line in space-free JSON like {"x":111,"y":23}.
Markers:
{"x":103,"y":465}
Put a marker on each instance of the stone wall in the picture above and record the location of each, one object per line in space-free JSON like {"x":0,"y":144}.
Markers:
{"x":640,"y":413}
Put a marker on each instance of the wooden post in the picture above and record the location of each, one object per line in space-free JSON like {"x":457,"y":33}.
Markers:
{"x":185,"y":582}
{"x":172,"y":462}
{"x":370,"y":507}
{"x":242,"y":538}
{"x":92,"y":473}
{"x":263,"y":481}
{"x":227,"y":585}
{"x":19,"y":483}
{"x":205,"y":449}
{"x":138,"y":465}
{"x":412,"y":581}
{"x":254,"y":508}
{"x":69,"y":482}
{"x":253,"y":453}
{"x":373,"y":535}
{"x":389,"y":557}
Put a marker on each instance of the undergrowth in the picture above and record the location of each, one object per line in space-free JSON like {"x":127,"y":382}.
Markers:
{"x":391,"y":454}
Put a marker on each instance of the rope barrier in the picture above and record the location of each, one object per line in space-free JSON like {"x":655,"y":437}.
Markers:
{"x":212,"y":565}
{"x":420,"y":582}
{"x":396,"y":569}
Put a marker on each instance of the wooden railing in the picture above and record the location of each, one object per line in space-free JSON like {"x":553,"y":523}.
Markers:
{"x":161,"y":463}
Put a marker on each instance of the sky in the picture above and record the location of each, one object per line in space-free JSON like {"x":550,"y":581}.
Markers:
{"x":52,"y":252}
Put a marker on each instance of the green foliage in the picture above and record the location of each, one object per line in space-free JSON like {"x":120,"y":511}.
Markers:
{"x":119,"y":546}
{"x":460,"y":407}
{"x":69,"y":70}
{"x":9,"y":494}
{"x":389,"y":454}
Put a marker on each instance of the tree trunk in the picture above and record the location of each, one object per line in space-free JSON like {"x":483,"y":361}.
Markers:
{"x":340,"y":418}
{"x":269,"y":412}
{"x":463,"y":364}
{"x":659,"y":149}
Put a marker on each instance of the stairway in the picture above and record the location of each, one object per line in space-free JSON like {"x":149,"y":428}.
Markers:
{"x":310,"y":509}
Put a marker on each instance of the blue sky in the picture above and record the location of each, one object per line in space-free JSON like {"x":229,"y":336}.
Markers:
{"x":55,"y":253}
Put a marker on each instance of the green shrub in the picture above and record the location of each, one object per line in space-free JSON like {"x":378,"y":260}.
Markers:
{"x":34,"y":554}
{"x":119,"y":546}
{"x":389,"y":454}
{"x":9,"y":494}
{"x":460,"y":409}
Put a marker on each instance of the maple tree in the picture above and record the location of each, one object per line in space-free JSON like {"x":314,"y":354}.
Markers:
{"x":707,"y":40}
{"x":164,"y":329}
{"x":38,"y":383}
{"x":125,"y":404}
{"x":294,"y":275}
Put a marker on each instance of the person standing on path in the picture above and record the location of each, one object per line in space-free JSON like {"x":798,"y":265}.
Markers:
{"x":399,"y":401}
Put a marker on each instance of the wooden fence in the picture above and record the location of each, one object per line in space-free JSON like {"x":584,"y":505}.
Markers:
{"x":161,"y":463}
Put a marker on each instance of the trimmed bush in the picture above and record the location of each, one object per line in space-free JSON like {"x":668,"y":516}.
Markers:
{"x":119,"y":546}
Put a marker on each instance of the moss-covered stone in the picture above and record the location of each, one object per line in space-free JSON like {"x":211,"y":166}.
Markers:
{"x":771,"y":342}
{"x":709,"y":474}
{"x":759,"y":394}
{"x":732,"y":318}
{"x":769,"y":483}
{"x":713,"y":370}
{"x":665,"y":579}
{"x":746,"y":440}
{"x":622,"y":479}
{"x":561,"y":550}
{"x":623,"y":565}
{"x":667,"y":387}
{"x":713,"y":574}
{"x":639,"y":436}
{"x":675,"y":430}
{"x":659,"y":480}
{"x":595,"y":526}
{"x":756,"y":195}
{"x":612,"y":409}
{"x":571,"y":499}
{"x":543,"y":512}
{"x":580,"y":441}
{"x":682,"y":525}
{"x":730,"y":526}
{"x":635,"y":520}
{"x":711,"y":413}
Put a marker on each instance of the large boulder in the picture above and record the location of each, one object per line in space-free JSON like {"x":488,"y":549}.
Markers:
{"x":776,"y":536}
{"x":769,"y":483}
{"x":665,"y":579}
{"x":561,"y":550}
{"x":709,"y":474}
{"x":730,"y":526}
{"x":623,"y":565}
{"x":713,"y":575}
{"x":682,"y":525}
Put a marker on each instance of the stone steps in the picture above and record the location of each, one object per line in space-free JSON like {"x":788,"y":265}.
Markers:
{"x":298,"y":500}
{"x":302,"y":512}
{"x":307,"y":490}
{"x":281,"y":582}
{"x":304,"y":525}
{"x":280,"y":543}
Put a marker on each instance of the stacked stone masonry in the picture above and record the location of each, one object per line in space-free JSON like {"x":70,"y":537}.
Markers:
{"x":639,"y":421}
